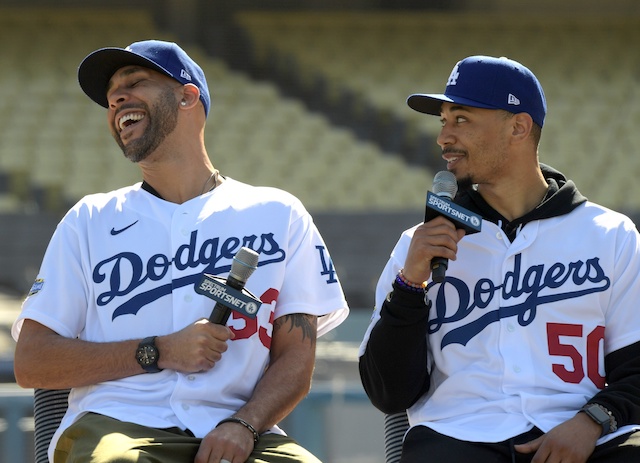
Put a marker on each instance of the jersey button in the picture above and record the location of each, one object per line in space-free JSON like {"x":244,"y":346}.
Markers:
{"x":191,"y":378}
{"x":517,"y":369}
{"x":499,"y":235}
{"x":185,"y":407}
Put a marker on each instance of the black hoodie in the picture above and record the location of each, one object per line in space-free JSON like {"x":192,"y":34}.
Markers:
{"x":562,"y":197}
{"x":393,"y":366}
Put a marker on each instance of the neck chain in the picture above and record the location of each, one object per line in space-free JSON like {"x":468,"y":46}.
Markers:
{"x":214,"y":176}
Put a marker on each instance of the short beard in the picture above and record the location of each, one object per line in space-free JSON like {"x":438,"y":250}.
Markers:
{"x":163,"y":119}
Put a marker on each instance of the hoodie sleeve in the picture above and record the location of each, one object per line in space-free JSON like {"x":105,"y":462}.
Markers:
{"x":393,"y":365}
{"x":622,"y":394}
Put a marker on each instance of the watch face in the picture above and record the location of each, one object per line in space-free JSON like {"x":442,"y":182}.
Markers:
{"x":147,"y":355}
{"x":599,"y":415}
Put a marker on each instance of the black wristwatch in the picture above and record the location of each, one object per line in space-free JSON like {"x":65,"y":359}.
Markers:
{"x":147,"y":355}
{"x":602,"y":416}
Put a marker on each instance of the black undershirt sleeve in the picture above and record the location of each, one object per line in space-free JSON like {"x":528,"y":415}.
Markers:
{"x":621,"y":396}
{"x":393,"y":367}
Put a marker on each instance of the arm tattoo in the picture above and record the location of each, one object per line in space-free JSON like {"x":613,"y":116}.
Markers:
{"x":307,"y":323}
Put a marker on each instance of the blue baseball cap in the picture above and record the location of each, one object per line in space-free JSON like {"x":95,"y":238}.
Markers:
{"x":98,"y":67}
{"x":491,"y":83}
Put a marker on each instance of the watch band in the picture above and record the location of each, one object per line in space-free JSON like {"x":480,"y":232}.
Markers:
{"x":602,"y":416}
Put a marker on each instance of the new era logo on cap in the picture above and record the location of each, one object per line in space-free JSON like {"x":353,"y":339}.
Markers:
{"x":184,"y":74}
{"x":490,"y":83}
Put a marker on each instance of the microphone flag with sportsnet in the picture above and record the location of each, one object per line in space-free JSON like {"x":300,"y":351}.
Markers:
{"x":440,"y":202}
{"x":230,"y":294}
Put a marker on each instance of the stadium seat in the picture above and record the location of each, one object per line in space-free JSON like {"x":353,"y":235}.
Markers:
{"x":582,"y":61}
{"x":254,"y":134}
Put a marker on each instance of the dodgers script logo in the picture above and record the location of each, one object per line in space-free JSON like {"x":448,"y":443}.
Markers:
{"x":583,"y":278}
{"x":126,"y":271}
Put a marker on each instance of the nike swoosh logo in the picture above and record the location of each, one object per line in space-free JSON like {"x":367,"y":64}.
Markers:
{"x":115,"y":232}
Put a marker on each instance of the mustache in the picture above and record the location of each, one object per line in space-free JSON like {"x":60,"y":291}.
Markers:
{"x":452,"y":150}
{"x":132,"y":106}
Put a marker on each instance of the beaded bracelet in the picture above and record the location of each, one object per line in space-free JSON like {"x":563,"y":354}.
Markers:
{"x":402,"y":281}
{"x":234,"y":419}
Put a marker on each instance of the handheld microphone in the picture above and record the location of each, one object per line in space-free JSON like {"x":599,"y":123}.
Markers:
{"x":230,"y":294}
{"x":440,"y":202}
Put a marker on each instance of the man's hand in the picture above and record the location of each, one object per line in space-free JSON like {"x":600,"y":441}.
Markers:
{"x":435,"y":238}
{"x":285,"y":382}
{"x":229,"y":441}
{"x":195,"y":348}
{"x":570,"y":442}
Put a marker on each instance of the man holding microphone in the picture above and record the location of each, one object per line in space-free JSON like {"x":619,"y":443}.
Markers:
{"x":529,"y":349}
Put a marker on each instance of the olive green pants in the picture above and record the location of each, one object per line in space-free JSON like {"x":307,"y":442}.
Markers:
{"x":99,"y":439}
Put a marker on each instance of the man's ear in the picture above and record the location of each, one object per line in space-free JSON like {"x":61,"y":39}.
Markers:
{"x":522,"y":125}
{"x":190,"y":96}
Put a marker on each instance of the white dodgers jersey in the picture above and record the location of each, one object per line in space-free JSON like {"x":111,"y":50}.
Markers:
{"x":518,"y":331}
{"x":124,"y":265}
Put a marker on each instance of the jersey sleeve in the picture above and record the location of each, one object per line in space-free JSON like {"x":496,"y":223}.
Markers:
{"x":59,"y":295}
{"x":311,"y":284}
{"x":622,"y":322}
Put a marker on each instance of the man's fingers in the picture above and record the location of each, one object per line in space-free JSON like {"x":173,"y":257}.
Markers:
{"x":528,"y":447}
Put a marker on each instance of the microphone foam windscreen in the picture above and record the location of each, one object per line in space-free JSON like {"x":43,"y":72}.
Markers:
{"x":244,"y":263}
{"x":445,"y":184}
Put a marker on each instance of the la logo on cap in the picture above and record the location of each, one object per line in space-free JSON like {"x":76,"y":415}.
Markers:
{"x":453,"y":78}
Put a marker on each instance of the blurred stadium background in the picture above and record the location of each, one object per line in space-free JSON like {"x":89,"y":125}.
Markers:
{"x":308,"y":96}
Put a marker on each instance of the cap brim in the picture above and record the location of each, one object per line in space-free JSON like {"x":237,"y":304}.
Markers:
{"x":432,"y":103}
{"x":96,"y":70}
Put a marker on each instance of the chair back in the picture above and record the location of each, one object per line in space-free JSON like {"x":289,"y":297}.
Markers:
{"x":49,"y":406}
{"x":395,"y":427}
